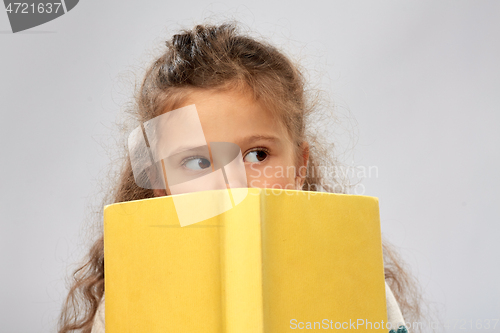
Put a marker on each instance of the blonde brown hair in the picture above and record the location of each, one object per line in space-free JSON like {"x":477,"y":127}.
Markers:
{"x":220,"y":57}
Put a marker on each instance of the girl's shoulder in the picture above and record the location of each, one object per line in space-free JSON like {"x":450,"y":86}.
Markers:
{"x":98,"y":326}
{"x":395,"y":320}
{"x":394,"y":315}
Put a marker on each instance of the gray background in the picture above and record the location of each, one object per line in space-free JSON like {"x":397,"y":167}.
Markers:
{"x":418,"y":82}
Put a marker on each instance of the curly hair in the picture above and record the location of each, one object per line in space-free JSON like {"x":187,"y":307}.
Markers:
{"x":220,"y":57}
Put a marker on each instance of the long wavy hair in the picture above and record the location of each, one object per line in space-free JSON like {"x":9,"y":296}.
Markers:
{"x":221,"y":57}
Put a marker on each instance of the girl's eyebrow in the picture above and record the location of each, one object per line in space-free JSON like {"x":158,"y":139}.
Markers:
{"x":254,"y":138}
{"x":193,"y":149}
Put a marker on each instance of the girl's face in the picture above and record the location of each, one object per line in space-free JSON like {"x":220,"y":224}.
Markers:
{"x":267,"y":151}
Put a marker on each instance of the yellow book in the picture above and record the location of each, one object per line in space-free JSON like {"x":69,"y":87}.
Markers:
{"x":279,"y":261}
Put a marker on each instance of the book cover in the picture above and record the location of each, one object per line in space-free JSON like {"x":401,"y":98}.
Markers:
{"x":278,"y":261}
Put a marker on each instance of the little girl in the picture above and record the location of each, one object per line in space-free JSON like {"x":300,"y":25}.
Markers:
{"x":248,"y":93}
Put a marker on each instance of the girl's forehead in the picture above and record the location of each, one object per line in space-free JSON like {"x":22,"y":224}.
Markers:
{"x":233,"y":113}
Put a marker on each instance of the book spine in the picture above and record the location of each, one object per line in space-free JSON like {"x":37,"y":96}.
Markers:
{"x":242,"y":266}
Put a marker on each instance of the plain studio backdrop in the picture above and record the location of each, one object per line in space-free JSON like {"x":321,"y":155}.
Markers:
{"x":417,"y":83}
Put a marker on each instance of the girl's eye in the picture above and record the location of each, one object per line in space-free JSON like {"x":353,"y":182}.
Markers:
{"x":256,"y":156}
{"x":197,"y":163}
